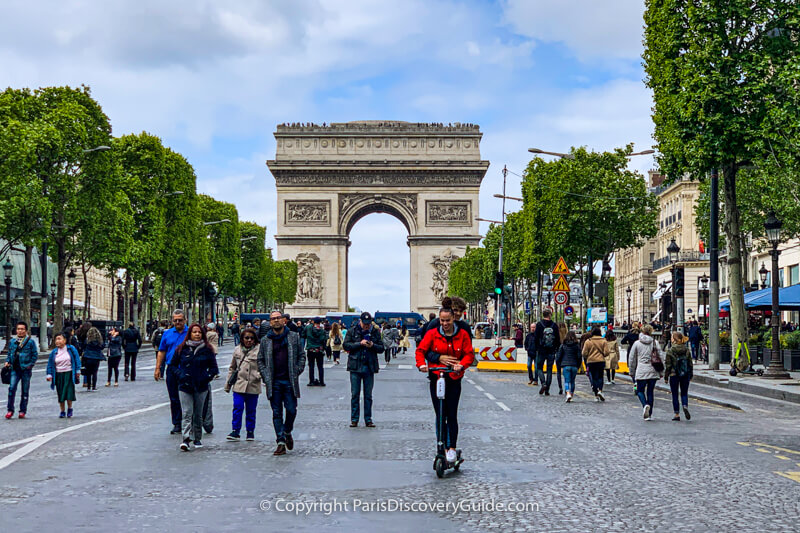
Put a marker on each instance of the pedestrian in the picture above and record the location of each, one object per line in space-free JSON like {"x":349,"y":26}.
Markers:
{"x":132,"y":341}
{"x":678,"y":372}
{"x":547,"y":339}
{"x":22,"y":355}
{"x":170,"y":341}
{"x":446,"y":346}
{"x":647,"y":360}
{"x":335,"y":341}
{"x":363,"y":344}
{"x":244,"y":378}
{"x":518,"y":336}
{"x":235,"y":330}
{"x":569,"y":359}
{"x":404,"y":343}
{"x":315,"y":349}
{"x":208,"y":409}
{"x":196,"y":367}
{"x":287,"y":320}
{"x":530,"y":348}
{"x":281,"y":360}
{"x":80,"y":335}
{"x":394,"y":336}
{"x":562,"y":334}
{"x":695,"y":335}
{"x":63,"y":372}
{"x":212,"y":335}
{"x":386,"y":338}
{"x":155,"y":340}
{"x":594,"y":351}
{"x":257,"y":326}
{"x":327,"y":327}
{"x":92,"y":356}
{"x":221,"y":332}
{"x":612,"y":359}
{"x":459,"y":307}
{"x":114,"y":353}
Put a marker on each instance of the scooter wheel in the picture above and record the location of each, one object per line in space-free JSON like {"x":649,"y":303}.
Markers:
{"x":733,"y":371}
{"x":438,"y":465}
{"x":760,"y":372}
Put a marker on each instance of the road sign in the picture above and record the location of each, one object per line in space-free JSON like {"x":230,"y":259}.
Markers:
{"x":561,"y":285}
{"x":569,"y":311}
{"x":561,"y":267}
{"x":561,"y":298}
{"x":527,"y":307}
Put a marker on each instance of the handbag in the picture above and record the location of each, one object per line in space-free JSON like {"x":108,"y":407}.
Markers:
{"x":655,"y":360}
{"x":5,"y":375}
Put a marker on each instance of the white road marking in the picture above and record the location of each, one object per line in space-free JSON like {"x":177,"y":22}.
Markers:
{"x":405,"y":367}
{"x":470,"y":381}
{"x":479,"y":388}
{"x":503,"y":406}
{"x":490,"y":396}
{"x":32,"y":443}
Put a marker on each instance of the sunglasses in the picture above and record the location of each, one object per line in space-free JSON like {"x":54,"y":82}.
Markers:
{"x":179,"y":320}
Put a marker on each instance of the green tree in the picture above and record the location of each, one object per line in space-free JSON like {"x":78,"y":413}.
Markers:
{"x":255,"y":278}
{"x":469,"y":276}
{"x":285,"y":284}
{"x":724,"y":78}
{"x":224,"y":243}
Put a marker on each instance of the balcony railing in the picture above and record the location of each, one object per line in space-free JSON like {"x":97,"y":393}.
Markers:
{"x":683,"y":257}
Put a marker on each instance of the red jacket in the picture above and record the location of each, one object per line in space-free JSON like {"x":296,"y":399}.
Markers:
{"x":460,"y":345}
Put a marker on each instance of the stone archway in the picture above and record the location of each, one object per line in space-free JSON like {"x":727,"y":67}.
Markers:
{"x":329,"y":177}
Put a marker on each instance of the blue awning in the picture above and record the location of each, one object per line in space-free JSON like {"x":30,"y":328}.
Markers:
{"x":788,"y":299}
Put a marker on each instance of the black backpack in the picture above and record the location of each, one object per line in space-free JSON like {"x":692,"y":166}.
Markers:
{"x":548,"y":336}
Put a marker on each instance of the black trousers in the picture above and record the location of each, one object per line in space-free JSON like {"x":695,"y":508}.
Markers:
{"x":130,"y":365}
{"x":452,"y":394}
{"x":174,"y":395}
{"x":92,"y":366}
{"x":315,"y":357}
{"x":113,"y":366}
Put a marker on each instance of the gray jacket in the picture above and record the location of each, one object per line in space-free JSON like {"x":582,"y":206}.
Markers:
{"x":297,"y":362}
{"x":639,"y":358}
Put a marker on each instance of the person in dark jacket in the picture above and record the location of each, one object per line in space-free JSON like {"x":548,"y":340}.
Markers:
{"x":695,"y":335}
{"x":547,"y":339}
{"x":363,"y":344}
{"x":518,"y":336}
{"x":678,"y":372}
{"x":22,"y":355}
{"x":570,"y":359}
{"x":530,"y":348}
{"x":114,"y":352}
{"x":197,"y":366}
{"x":132,"y":341}
{"x":92,"y":356}
{"x":316,"y":340}
{"x":287,"y":321}
{"x":459,"y":307}
{"x":235,"y":330}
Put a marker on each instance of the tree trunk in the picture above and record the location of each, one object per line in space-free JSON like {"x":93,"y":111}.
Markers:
{"x":58,"y":314}
{"x":738,"y":314}
{"x":27,"y":286}
{"x":126,"y":300}
{"x":141,"y":307}
{"x":86,"y":302}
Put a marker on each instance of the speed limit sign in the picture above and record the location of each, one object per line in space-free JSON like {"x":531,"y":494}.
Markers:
{"x":561,"y":298}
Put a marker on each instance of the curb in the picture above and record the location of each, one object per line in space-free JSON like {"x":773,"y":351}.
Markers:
{"x":741,"y":385}
{"x":710,"y":399}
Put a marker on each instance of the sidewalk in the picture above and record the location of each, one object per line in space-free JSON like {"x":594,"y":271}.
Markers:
{"x":787,"y":390}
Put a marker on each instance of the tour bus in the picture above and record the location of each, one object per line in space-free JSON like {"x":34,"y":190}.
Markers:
{"x":412,"y":321}
{"x":347,"y":319}
{"x":244,"y":318}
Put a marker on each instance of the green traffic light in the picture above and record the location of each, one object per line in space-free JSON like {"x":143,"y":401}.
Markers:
{"x":498,"y":290}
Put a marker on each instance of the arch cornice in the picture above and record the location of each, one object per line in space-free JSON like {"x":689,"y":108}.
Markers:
{"x":354,"y":206}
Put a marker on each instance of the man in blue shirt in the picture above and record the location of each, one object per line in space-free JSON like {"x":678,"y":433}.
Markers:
{"x":170,"y":340}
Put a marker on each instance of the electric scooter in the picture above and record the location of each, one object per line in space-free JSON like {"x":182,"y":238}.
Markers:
{"x":440,"y":463}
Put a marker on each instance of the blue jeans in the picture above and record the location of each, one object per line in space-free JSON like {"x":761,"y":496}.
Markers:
{"x":644,"y":390}
{"x":282,"y":398}
{"x":356,"y":379}
{"x":570,"y":372}
{"x":240,"y":402}
{"x":236,"y":339}
{"x":541,"y":359}
{"x":695,"y":346}
{"x":16,"y":377}
{"x":683,"y":383}
{"x":531,"y":359}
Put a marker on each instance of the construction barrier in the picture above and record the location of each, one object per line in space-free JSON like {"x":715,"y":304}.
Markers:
{"x":496,"y":366}
{"x":487,"y":350}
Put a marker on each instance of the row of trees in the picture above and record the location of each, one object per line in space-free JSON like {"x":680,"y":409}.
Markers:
{"x":581,"y":207}
{"x":126,"y":204}
{"x":725,"y":79}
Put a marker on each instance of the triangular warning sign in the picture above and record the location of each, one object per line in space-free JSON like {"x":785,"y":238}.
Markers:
{"x":561,"y":285}
{"x":561,"y":267}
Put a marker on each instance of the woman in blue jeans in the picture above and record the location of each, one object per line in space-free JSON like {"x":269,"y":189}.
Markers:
{"x":569,"y":360}
{"x":678,"y":373}
{"x":641,"y":367}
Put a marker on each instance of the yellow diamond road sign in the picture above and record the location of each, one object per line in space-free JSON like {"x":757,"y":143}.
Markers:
{"x":561,"y":285}
{"x":561,"y":267}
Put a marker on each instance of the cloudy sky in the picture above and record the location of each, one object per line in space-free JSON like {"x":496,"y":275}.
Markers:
{"x":212,"y":79}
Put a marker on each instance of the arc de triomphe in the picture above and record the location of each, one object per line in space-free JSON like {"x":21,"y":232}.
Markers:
{"x":330,"y":176}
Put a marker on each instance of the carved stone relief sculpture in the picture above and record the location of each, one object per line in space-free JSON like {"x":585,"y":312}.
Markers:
{"x":448,"y":213}
{"x":309,"y":278}
{"x":441,"y":273}
{"x":313,"y":213}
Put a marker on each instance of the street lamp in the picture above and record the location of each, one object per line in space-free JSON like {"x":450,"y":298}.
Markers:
{"x":97,"y":149}
{"x":88,"y":302}
{"x":762,"y":273}
{"x":641,"y":300}
{"x":120,"y":301}
{"x":7,"y":270}
{"x":71,"y":277}
{"x":674,"y":253}
{"x":150,"y":294}
{"x":704,"y":291}
{"x":216,"y":222}
{"x":178,"y":297}
{"x":628,"y":292}
{"x":53,"y":299}
{"x":775,"y":370}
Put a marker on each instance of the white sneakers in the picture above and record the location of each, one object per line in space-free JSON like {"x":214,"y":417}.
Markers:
{"x":451,"y":456}
{"x":569,"y":397}
{"x":600,"y":395}
{"x":646,"y":412}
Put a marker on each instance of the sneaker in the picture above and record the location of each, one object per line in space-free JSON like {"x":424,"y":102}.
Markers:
{"x":352,"y":424}
{"x":108,"y":384}
{"x":176,"y":430}
{"x":547,"y":392}
{"x":69,"y":412}
{"x":686,"y":412}
{"x":370,"y":424}
{"x":9,"y":414}
{"x":541,"y":390}
{"x":252,"y":436}
{"x":209,"y":431}
{"x":198,"y":444}
{"x":530,"y":382}
{"x":600,"y":395}
{"x":233,"y":436}
{"x":280,"y":450}
{"x":646,"y":412}
{"x":310,"y":384}
{"x":289,"y":441}
{"x":21,"y":415}
{"x":596,"y":399}
{"x":116,"y":384}
{"x":62,"y":414}
{"x":676,"y":418}
{"x":451,"y":456}
{"x":321,"y":384}
{"x":316,"y":383}
{"x":560,"y":391}
{"x":185,"y":445}
{"x":613,"y":382}
{"x":567,"y":399}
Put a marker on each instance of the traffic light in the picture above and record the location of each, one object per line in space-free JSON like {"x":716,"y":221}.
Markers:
{"x":679,"y":283}
{"x":498,"y":283}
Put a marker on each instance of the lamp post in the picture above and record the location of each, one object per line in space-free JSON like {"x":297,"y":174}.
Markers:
{"x":53,"y":299}
{"x":677,"y":307}
{"x":178,"y":297}
{"x":150,"y":294}
{"x":775,"y":369}
{"x":71,"y":277}
{"x":704,"y":286}
{"x":641,"y":300}
{"x":88,"y":302}
{"x":120,"y":301}
{"x":628,"y":292}
{"x":762,"y":273}
{"x":663,"y":287}
{"x":8,"y":268}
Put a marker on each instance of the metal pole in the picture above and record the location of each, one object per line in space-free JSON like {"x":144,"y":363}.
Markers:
{"x":8,"y":314}
{"x":71,"y":300}
{"x":775,"y":369}
{"x":713,"y":315}
{"x":629,"y":310}
{"x":500,"y":259}
{"x":43,"y":304}
{"x":679,"y":305}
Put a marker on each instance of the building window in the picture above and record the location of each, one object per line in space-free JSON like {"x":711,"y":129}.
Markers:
{"x":679,"y":215}
{"x":652,"y":257}
{"x":794,"y":275}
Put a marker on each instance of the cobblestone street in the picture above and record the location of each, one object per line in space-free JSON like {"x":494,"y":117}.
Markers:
{"x":585,"y":466}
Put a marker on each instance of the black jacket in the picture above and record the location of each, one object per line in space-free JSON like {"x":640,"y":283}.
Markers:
{"x":629,"y":339}
{"x":530,"y":343}
{"x":569,"y":354}
{"x":131,"y":340}
{"x":358,"y":354}
{"x":196,"y":368}
{"x":540,"y":333}
{"x":695,"y":334}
